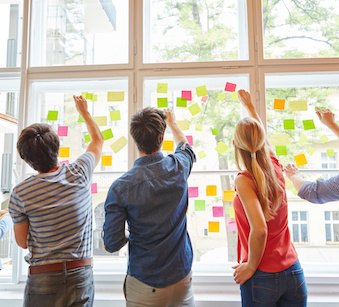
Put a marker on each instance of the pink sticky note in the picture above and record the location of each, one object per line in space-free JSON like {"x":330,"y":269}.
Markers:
{"x":62,"y":131}
{"x":204,"y":98}
{"x":94,"y":188}
{"x":232,"y":226}
{"x":189,"y":139}
{"x":64,"y":162}
{"x":230,"y":87}
{"x":193,"y":192}
{"x":186,"y":94}
{"x":218,"y":211}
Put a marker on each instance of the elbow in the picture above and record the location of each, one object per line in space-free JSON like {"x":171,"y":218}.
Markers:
{"x":22,"y":244}
{"x":112,"y":248}
{"x":261,"y":233}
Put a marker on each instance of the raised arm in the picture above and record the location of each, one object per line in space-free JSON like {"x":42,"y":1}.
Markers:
{"x":97,"y":139}
{"x":177,"y":133}
{"x":327,"y":118}
{"x":293,"y":174}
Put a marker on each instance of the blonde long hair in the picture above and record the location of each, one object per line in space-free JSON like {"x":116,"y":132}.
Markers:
{"x":250,"y":140}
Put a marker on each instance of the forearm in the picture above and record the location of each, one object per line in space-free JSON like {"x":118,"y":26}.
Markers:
{"x":297,"y":181}
{"x":92,"y":128}
{"x":335,"y":128}
{"x":178,"y":135}
{"x":256,"y":247}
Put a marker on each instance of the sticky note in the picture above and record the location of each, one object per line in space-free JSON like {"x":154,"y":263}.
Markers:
{"x":115,"y":115}
{"x":302,"y":139}
{"x":62,"y":130}
{"x":221,"y":97}
{"x":330,"y":152}
{"x":193,"y":192}
{"x":221,"y":148}
{"x":181,"y":102}
{"x":108,"y":134}
{"x":194,"y":109}
{"x":162,"y":88}
{"x":87,"y":138}
{"x":100,"y":120}
{"x":234,"y":96}
{"x":229,"y":195}
{"x":183,"y":124}
{"x":198,"y":127}
{"x":162,"y":103}
{"x":204,"y":98}
{"x":94,"y":97}
{"x":298,"y":105}
{"x":294,"y":191}
{"x":308,"y":124}
{"x":218,"y":211}
{"x":64,"y":152}
{"x":89,"y":96}
{"x":324,"y":138}
{"x":213,"y":226}
{"x":119,"y":144}
{"x":199,"y":205}
{"x":310,"y":150}
{"x":167,"y":145}
{"x":94,"y":188}
{"x":288,"y":184}
{"x":211,"y":190}
{"x":324,"y":108}
{"x":115,"y":96}
{"x":189,"y":139}
{"x":186,"y":94}
{"x":201,"y":154}
{"x":80,"y":119}
{"x":201,"y":91}
{"x":230,"y":87}
{"x":64,"y":162}
{"x":288,"y":124}
{"x":281,"y":150}
{"x":106,"y":160}
{"x":52,"y":115}
{"x":232,"y":226}
{"x":279,"y":104}
{"x":300,"y":160}
{"x":279,"y":139}
{"x":215,"y":131}
{"x":83,"y":94}
{"x":231,"y":212}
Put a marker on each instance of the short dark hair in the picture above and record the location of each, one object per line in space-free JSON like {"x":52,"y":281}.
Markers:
{"x":147,"y":129}
{"x":38,"y":145}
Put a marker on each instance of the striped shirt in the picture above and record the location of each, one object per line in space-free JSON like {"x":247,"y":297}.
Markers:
{"x":58,"y":207}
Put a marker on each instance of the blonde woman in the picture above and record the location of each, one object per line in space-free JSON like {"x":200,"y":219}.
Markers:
{"x":269,"y":272}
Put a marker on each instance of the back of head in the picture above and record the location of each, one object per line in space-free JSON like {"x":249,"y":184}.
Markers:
{"x":38,"y":145}
{"x":147,"y":129}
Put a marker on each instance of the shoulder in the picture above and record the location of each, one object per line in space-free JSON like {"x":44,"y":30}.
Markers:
{"x":244,"y":180}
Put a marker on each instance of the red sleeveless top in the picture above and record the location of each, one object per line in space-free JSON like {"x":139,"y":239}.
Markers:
{"x":279,"y":252}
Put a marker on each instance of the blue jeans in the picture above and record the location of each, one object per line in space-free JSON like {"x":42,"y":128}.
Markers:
{"x":73,"y":287}
{"x":282,"y":289}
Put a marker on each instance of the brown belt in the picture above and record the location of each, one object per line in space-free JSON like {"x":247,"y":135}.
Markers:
{"x":59,"y":266}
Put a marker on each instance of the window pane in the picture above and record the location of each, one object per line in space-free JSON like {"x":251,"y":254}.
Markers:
{"x":10,"y":33}
{"x":195,"y":31}
{"x":303,"y":216}
{"x":328,"y":232}
{"x":295,"y":216}
{"x":300,"y":29}
{"x":79,"y":33}
{"x":304,"y":234}
{"x":336,"y":232}
{"x":327,"y":215}
{"x":335,"y":215}
{"x":295,"y":232}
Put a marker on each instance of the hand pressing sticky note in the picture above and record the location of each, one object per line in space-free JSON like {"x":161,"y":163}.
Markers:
{"x":279,"y":104}
{"x":231,"y":212}
{"x":298,"y":105}
{"x":183,"y":124}
{"x":230,"y":87}
{"x":308,"y":124}
{"x":289,"y":124}
{"x":64,"y":152}
{"x":279,"y":139}
{"x":115,"y":96}
{"x":229,"y":195}
{"x":198,"y":127}
{"x":281,"y":150}
{"x":162,"y":103}
{"x":211,"y":190}
{"x":215,"y":131}
{"x":62,"y":130}
{"x":234,"y":96}
{"x":193,"y":192}
{"x":119,"y":144}
{"x":162,"y":88}
{"x":115,"y":115}
{"x":199,"y":205}
{"x":330,"y":152}
{"x":107,"y":134}
{"x":194,"y":109}
{"x":187,"y":95}
{"x":201,"y":154}
{"x":310,"y":150}
{"x":213,"y":226}
{"x":324,"y":138}
{"x":221,"y":148}
{"x":218,"y":211}
{"x":87,"y":138}
{"x":106,"y":160}
{"x":300,"y":160}
{"x":189,"y":139}
{"x":94,"y":188}
{"x":302,"y":139}
{"x":167,"y":145}
{"x":201,"y":91}
{"x":221,"y":97}
{"x":52,"y":115}
{"x":181,"y":102}
{"x":100,"y":120}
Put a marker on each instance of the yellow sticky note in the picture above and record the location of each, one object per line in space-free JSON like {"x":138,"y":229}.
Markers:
{"x":330,"y":152}
{"x":167,"y":145}
{"x":232,"y":213}
{"x":229,"y":195}
{"x":106,"y":160}
{"x":303,"y":139}
{"x":115,"y":115}
{"x":324,"y":138}
{"x":119,"y":144}
{"x":194,"y":109}
{"x":211,"y":190}
{"x":198,"y":127}
{"x":64,"y":152}
{"x":115,"y":96}
{"x":201,"y":91}
{"x":100,"y":120}
{"x":221,"y":148}
{"x":183,"y":124}
{"x":288,"y":184}
{"x":310,"y":150}
{"x":300,"y":159}
{"x":279,"y":104}
{"x":201,"y":154}
{"x":221,"y":97}
{"x":298,"y":105}
{"x":234,"y":96}
{"x":279,"y":139}
{"x":213,"y":226}
{"x":162,"y":88}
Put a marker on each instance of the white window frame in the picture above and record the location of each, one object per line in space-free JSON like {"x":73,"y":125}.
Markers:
{"x":299,"y":222}
{"x":332,"y":222}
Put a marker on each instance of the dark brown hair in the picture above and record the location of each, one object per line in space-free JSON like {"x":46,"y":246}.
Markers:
{"x":38,"y":145}
{"x":147,"y":129}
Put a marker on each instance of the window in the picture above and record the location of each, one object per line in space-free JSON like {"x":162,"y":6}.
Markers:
{"x":328,"y":162}
{"x":332,"y":226}
{"x":299,"y":227}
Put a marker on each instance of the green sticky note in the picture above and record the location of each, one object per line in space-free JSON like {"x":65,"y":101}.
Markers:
{"x":100,"y":120}
{"x":89,"y":96}
{"x":279,"y":139}
{"x":115,"y":96}
{"x":308,"y":124}
{"x":310,"y":150}
{"x":108,"y":134}
{"x":294,"y":191}
{"x":162,"y":88}
{"x":215,"y":131}
{"x":221,"y":97}
{"x":330,"y":152}
{"x":324,"y":138}
{"x":199,"y":205}
{"x":80,"y":119}
{"x":87,"y":138}
{"x":119,"y":144}
{"x":298,"y":105}
{"x":201,"y":91}
{"x":281,"y":150}
{"x":201,"y":154}
{"x":198,"y":127}
{"x":302,"y":139}
{"x":221,"y":148}
{"x":194,"y":109}
{"x":52,"y":115}
{"x":83,"y":94}
{"x":289,"y":124}
{"x":234,"y":96}
{"x":94,"y":97}
{"x":115,"y":115}
{"x":319,"y":108}
{"x":162,"y":103}
{"x":182,"y":102}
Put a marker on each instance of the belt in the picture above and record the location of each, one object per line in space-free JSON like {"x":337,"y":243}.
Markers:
{"x":60,"y":266}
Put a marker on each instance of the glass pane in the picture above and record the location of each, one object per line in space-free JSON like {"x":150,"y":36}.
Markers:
{"x":195,"y":31}
{"x":10,"y":33}
{"x":328,"y":232}
{"x":206,"y":118}
{"x":300,"y":29}
{"x":79,"y":33}
{"x":9,"y":101}
{"x":324,"y":156}
{"x":304,"y":234}
{"x":108,"y":104}
{"x":294,"y":215}
{"x":295,"y":232}
{"x":335,"y":215}
{"x":327,"y":215}
{"x":303,"y":216}
{"x":336,"y":232}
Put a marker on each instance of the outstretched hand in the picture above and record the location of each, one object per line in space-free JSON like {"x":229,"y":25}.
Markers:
{"x":245,"y":98}
{"x":325,"y":116}
{"x":80,"y":104}
{"x":291,"y":170}
{"x":170,"y":117}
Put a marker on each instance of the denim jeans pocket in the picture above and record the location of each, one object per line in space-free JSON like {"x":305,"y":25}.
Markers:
{"x":299,"y":283}
{"x":39,"y":299}
{"x":264,"y":287}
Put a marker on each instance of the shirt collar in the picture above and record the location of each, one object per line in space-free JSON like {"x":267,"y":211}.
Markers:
{"x":149,"y":159}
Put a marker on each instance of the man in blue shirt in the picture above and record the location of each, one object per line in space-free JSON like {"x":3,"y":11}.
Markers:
{"x":153,"y":197}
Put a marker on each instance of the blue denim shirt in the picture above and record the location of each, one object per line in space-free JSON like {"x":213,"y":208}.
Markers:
{"x":153,"y":197}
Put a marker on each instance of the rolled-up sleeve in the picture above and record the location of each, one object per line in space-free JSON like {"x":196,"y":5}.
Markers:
{"x":320,"y":191}
{"x":185,"y":151}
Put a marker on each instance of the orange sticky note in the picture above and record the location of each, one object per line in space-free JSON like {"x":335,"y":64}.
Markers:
{"x":213,"y":226}
{"x":229,"y":195}
{"x":211,"y":190}
{"x":64,"y":152}
{"x":232,"y":213}
{"x":106,"y":160}
{"x":167,"y":145}
{"x":279,"y":104}
{"x":300,"y":159}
